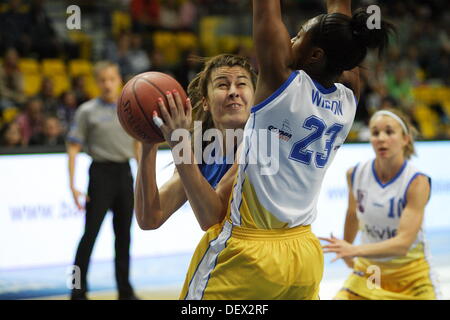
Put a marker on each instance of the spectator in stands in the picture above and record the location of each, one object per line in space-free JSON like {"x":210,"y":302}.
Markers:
{"x":10,"y":135}
{"x":439,"y":68}
{"x":188,"y":68}
{"x":79,"y":89}
{"x":14,"y":27}
{"x":168,"y":18}
{"x":44,"y":40}
{"x":31,"y":120}
{"x":139,"y":60}
{"x":47,"y":96}
{"x":412,"y":65}
{"x":399,"y":87}
{"x":145,"y":15}
{"x":188,"y":14}
{"x":427,"y":42}
{"x":11,"y":81}
{"x":387,"y":102}
{"x":159,"y":63}
{"x":119,"y":53}
{"x":66,"y":109}
{"x":51,"y":135}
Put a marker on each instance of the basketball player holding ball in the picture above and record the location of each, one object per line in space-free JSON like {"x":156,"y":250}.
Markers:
{"x":225,"y":80}
{"x":259,"y":244}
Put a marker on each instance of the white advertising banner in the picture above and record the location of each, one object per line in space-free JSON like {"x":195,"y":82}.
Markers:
{"x":40,"y":225}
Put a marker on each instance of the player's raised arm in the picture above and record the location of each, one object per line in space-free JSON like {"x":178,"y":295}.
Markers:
{"x":351,"y":77}
{"x":273,"y":47}
{"x":340,"y":6}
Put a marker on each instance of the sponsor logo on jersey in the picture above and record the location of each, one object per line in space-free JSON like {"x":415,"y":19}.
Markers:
{"x":285,"y":133}
{"x":378,"y":233}
{"x":361,"y":199}
{"x":376,"y":204}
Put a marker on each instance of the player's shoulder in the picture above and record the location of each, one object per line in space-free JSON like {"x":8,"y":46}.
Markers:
{"x":415,"y":174}
{"x":350,"y":171}
{"x":418,"y":188}
{"x":338,"y":88}
{"x":360,"y":168}
{"x":356,"y":168}
{"x":346,"y":92}
{"x":363,"y":165}
{"x":411,"y":166}
{"x":411,"y":170}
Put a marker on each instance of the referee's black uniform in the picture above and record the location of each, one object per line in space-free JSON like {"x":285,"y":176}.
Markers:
{"x":97,"y":128}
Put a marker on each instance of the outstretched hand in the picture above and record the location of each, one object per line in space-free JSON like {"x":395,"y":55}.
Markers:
{"x":178,"y":117}
{"x":342,"y":248}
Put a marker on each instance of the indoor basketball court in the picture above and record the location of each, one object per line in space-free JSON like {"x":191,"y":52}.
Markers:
{"x":49,"y":53}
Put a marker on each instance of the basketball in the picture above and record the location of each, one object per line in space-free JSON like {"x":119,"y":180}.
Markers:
{"x":138,"y":100}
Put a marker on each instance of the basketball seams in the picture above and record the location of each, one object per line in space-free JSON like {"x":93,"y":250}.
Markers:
{"x":119,"y":106}
{"x":159,"y":90}
{"x":157,"y":130}
{"x":138,"y":120}
{"x":123,"y":120}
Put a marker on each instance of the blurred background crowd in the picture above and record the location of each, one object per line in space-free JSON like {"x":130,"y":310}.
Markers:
{"x":46,"y":69}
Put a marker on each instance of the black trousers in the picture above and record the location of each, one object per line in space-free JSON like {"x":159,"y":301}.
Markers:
{"x":110,"y":187}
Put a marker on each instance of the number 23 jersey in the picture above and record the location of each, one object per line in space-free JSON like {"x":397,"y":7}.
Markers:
{"x":289,"y":142}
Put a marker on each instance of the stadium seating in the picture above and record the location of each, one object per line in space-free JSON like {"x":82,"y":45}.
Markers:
{"x":79,"y":67}
{"x":29,"y":65}
{"x":32,"y":83}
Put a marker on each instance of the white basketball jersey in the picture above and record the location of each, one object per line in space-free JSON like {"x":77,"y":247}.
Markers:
{"x":380,"y":205}
{"x":290,"y":140}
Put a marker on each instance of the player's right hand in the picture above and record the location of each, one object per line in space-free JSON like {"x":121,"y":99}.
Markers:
{"x":174,"y":116}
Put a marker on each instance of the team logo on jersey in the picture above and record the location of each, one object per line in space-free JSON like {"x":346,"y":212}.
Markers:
{"x":376,"y":204}
{"x":285,"y":133}
{"x":379,"y":233}
{"x":361,"y":198}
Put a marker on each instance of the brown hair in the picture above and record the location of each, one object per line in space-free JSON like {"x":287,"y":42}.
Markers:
{"x":409,"y":149}
{"x":198,"y":87}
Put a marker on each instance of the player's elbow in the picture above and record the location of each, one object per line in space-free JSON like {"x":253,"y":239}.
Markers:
{"x":205,"y":226}
{"x":402,"y":247}
{"x":211,"y":222}
{"x":149,"y":221}
{"x":150,"y":225}
{"x":403,"y":250}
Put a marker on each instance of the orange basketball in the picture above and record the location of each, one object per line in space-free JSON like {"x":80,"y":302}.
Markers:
{"x":139,"y":99}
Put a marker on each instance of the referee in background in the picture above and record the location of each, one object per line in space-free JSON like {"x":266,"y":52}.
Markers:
{"x":96,"y":128}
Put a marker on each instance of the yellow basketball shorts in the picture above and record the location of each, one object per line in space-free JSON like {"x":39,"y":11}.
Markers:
{"x":412,"y":281}
{"x":235,"y":263}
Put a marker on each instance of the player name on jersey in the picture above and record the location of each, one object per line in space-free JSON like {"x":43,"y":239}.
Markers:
{"x":334,"y":106}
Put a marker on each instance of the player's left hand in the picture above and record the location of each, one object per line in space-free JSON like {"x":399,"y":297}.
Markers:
{"x":175,"y":116}
{"x":342,"y":248}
